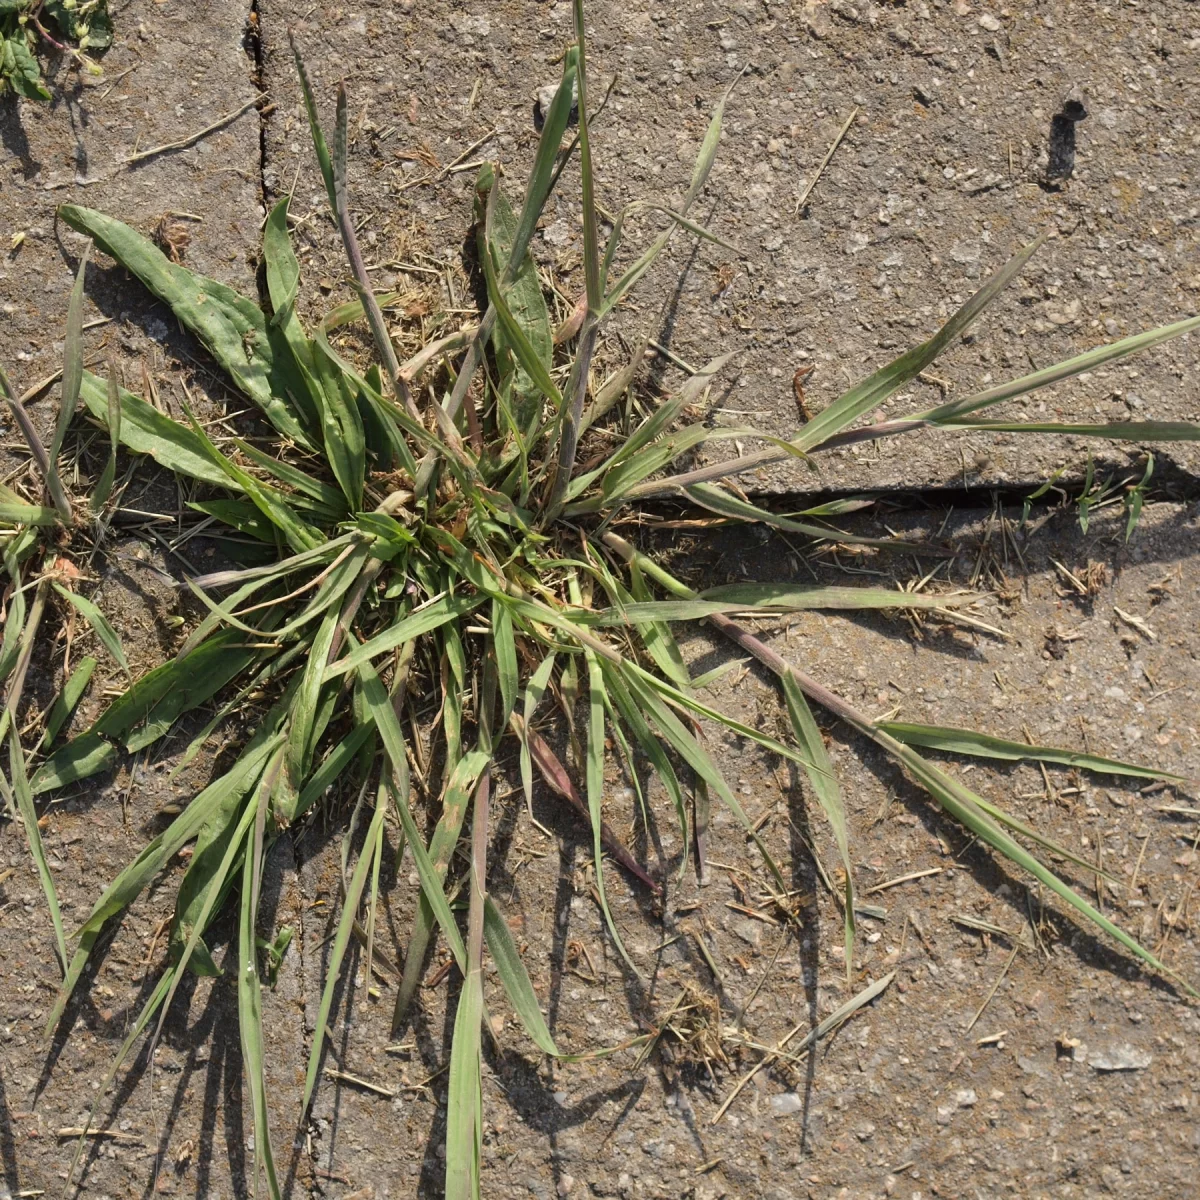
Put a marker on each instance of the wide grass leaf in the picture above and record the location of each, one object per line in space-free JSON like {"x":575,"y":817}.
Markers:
{"x":232,"y":328}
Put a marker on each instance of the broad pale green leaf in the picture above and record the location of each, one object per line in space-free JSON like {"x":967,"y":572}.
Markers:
{"x":232,"y":328}
{"x":80,"y":758}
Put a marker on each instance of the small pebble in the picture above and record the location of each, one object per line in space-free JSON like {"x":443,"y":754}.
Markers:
{"x":990,"y":23}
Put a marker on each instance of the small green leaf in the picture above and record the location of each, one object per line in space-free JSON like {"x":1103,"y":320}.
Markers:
{"x":99,"y":623}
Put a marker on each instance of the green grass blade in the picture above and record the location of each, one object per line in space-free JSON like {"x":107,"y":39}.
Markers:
{"x":392,"y":736}
{"x":345,"y":441}
{"x":125,"y":888}
{"x":541,"y":175}
{"x":1113,"y":431}
{"x":462,"y":781}
{"x":696,"y":757}
{"x":231,"y":327}
{"x":72,"y":376}
{"x":1087,"y":361}
{"x":515,"y":979}
{"x":652,"y":749}
{"x":876,"y":388}
{"x":299,"y":534}
{"x":66,"y":700}
{"x":718,"y":500}
{"x":314,"y":124}
{"x":982,"y":745}
{"x":99,"y":623}
{"x":700,"y":172}
{"x":958,"y":801}
{"x":104,"y":485}
{"x":341,"y":941}
{"x":595,"y":794}
{"x":27,"y":514}
{"x":83,"y":756}
{"x":829,"y":796}
{"x":535,"y":689}
{"x":497,"y":227}
{"x":781,"y":599}
{"x":152,"y":1005}
{"x":145,"y":430}
{"x":249,"y":989}
{"x":464,"y":1104}
{"x":514,"y":335}
{"x":431,"y":616}
{"x":24,"y":806}
{"x":505,"y":647}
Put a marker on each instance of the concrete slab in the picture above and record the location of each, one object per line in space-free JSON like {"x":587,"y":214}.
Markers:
{"x":939,"y":180}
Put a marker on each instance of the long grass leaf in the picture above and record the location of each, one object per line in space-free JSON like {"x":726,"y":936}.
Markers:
{"x":24,"y":806}
{"x":337,"y":952}
{"x":829,"y":796}
{"x":145,"y":430}
{"x":249,"y":990}
{"x":982,"y":745}
{"x":81,"y":757}
{"x":1113,"y":431}
{"x":72,"y":376}
{"x":1088,"y":361}
{"x":104,"y":485}
{"x":515,"y":979}
{"x":232,"y":328}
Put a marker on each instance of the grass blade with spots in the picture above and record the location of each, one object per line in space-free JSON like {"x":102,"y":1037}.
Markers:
{"x":232,"y":328}
{"x":982,"y":745}
{"x":99,"y":623}
{"x":145,"y":430}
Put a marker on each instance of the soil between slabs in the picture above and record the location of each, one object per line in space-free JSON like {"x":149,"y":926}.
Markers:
{"x":1026,"y":1113}
{"x":1060,"y":1128}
